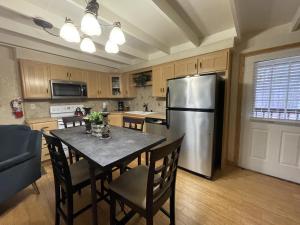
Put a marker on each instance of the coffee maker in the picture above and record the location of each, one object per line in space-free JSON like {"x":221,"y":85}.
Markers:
{"x":120,"y":106}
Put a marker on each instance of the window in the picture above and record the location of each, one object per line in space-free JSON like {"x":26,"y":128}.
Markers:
{"x":277,"y":89}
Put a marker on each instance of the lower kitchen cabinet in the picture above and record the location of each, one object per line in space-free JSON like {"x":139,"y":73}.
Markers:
{"x":35,"y":79}
{"x":115,"y":119}
{"x":46,"y":124}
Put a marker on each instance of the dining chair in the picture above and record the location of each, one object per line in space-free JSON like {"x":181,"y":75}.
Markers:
{"x":72,"y":121}
{"x":134,"y":124}
{"x":69,"y":179}
{"x":145,"y":190}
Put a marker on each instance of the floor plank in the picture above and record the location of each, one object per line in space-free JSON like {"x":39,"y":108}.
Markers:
{"x":235,"y":197}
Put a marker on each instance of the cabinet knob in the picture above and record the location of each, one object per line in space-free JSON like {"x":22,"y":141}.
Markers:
{"x":200,"y":64}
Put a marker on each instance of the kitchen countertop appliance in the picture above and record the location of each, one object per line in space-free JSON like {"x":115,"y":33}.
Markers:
{"x":61,"y":89}
{"x":195,"y":107}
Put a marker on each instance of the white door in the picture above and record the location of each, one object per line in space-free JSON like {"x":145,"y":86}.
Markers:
{"x":268,"y":146}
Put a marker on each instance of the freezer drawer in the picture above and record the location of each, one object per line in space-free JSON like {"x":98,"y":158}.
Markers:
{"x":197,"y":148}
{"x":192,"y":92}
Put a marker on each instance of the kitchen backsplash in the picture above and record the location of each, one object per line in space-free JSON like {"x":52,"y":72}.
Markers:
{"x":39,"y":109}
{"x":144,"y":95}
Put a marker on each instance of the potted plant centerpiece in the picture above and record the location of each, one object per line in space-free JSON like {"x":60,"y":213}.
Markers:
{"x":96,"y":119}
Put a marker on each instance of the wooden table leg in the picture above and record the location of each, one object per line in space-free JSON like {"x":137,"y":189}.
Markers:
{"x":94,"y":195}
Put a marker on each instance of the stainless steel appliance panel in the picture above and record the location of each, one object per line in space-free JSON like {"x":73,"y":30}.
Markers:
{"x":197,"y":92}
{"x":61,"y":89}
{"x":197,"y":148}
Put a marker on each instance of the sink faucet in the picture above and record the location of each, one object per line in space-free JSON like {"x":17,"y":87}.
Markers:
{"x":145,"y":107}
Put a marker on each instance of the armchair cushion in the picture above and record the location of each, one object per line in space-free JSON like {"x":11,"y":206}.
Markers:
{"x":4,"y":165}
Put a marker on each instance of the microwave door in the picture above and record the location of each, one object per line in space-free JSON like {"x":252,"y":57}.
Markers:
{"x":67,"y":90}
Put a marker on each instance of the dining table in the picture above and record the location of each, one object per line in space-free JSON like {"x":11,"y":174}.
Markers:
{"x":122,"y":145}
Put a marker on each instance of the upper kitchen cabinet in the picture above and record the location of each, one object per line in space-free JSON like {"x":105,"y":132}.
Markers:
{"x":35,"y":79}
{"x":66,"y":73}
{"x":97,"y":84}
{"x":213,"y":62}
{"x":129,"y":89}
{"x":116,"y":87}
{"x":160,"y":75}
{"x":186,"y":67}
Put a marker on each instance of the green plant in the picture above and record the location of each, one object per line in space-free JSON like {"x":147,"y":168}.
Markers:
{"x":96,"y":118}
{"x":142,"y":79}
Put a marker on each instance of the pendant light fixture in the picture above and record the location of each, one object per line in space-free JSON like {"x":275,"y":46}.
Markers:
{"x":89,"y":23}
{"x":87,"y":45}
{"x":69,"y":32}
{"x":116,"y":34}
{"x":111,"y":47}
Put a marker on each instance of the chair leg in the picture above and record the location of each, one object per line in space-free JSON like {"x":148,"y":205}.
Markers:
{"x":172,"y":208}
{"x":139,"y":160}
{"x":147,"y":158}
{"x":70,"y":215}
{"x":149,"y":220}
{"x":35,"y":187}
{"x":57,"y":217}
{"x":70,"y":156}
{"x":112,"y":210}
{"x":57,"y":204}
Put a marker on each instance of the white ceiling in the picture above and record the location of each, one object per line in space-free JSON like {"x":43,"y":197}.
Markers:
{"x":152,"y":27}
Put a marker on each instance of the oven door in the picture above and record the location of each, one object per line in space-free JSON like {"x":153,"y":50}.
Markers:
{"x":68,"y":89}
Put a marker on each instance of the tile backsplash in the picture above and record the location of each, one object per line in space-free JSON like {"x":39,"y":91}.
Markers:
{"x":144,"y":95}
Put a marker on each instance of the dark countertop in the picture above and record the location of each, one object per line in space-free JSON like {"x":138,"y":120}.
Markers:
{"x":123,"y":144}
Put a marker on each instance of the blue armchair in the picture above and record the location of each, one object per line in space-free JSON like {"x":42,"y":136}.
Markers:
{"x":20,"y":159}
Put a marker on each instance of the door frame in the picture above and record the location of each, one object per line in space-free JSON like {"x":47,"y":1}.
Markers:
{"x":242,"y":60}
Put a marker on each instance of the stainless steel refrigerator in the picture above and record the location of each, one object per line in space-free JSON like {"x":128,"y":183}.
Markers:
{"x":195,"y":107}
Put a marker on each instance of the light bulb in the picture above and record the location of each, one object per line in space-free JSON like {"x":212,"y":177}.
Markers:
{"x":90,"y":25}
{"x":117,"y":35}
{"x":87,"y":45}
{"x":69,"y":32}
{"x":111,"y":47}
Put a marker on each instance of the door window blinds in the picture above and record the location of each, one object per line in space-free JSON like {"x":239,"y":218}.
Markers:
{"x":277,"y":89}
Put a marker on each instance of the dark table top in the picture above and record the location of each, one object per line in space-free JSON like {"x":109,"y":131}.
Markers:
{"x":123,"y":144}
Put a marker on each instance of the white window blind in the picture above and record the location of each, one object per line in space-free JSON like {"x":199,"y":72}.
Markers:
{"x":277,"y":89}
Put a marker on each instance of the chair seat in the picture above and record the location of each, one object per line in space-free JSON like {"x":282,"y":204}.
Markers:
{"x":132,"y":185}
{"x":80,"y":173}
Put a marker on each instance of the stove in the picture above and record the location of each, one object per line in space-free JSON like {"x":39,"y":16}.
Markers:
{"x":60,"y":111}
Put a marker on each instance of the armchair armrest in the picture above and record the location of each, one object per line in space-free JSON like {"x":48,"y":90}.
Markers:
{"x":4,"y":165}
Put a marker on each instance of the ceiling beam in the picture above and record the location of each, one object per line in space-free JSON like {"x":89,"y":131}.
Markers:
{"x":235,"y":18}
{"x":29,"y":10}
{"x":108,"y":16}
{"x":179,"y":17}
{"x":295,"y":23}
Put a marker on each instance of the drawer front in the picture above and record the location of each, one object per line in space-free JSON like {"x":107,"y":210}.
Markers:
{"x":47,"y":125}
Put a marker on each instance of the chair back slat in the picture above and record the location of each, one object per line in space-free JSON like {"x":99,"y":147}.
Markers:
{"x":133,"y":123}
{"x":162,"y":170}
{"x":61,"y":172}
{"x":72,"y":120}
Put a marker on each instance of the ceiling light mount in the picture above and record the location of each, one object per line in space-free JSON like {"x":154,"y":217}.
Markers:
{"x":92,"y":7}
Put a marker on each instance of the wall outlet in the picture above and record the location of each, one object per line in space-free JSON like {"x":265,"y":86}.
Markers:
{"x":32,"y":106}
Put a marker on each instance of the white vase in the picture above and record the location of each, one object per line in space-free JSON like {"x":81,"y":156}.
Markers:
{"x":97,"y":130}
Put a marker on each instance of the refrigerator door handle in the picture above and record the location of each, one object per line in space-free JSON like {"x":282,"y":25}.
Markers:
{"x":167,"y":108}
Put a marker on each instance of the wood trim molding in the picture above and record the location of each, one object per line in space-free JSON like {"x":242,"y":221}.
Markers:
{"x":242,"y":59}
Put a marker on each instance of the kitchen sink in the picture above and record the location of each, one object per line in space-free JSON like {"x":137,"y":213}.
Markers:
{"x":140,"y":112}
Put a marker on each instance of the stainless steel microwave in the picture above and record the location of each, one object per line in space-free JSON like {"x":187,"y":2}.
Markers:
{"x":61,"y":89}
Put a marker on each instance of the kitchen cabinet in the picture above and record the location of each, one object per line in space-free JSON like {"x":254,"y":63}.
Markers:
{"x":46,"y":124}
{"x":65,"y":73}
{"x":97,"y":84}
{"x":129,"y":89}
{"x":213,"y":62}
{"x":160,"y":75}
{"x":115,"y":119}
{"x":35,"y":79}
{"x":186,"y":67}
{"x":116,"y":87}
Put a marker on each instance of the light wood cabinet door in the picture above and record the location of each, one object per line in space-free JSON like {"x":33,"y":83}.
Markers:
{"x":93,"y":84}
{"x":104,"y":87}
{"x":59,"y":72}
{"x":35,"y":79}
{"x":185,"y":67}
{"x":129,"y":88}
{"x":115,"y":120}
{"x":116,"y":87}
{"x":75,"y":74}
{"x":213,"y":62}
{"x":167,"y":73}
{"x":157,"y":81}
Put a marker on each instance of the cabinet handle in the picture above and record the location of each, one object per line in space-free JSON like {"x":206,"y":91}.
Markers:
{"x":200,"y":65}
{"x":47,"y":90}
{"x":195,"y":65}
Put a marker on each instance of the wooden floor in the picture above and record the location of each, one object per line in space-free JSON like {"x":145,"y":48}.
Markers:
{"x":236,"y":197}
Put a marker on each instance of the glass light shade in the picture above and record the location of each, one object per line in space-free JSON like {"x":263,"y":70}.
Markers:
{"x":111,"y":47}
{"x":90,"y":25}
{"x":117,"y":36}
{"x":69,"y":32}
{"x":87,"y":45}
